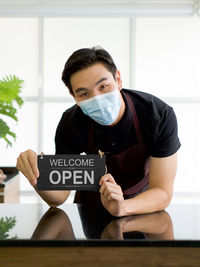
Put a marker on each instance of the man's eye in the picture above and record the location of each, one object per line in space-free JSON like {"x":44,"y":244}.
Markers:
{"x":84,"y":94}
{"x":102,"y":87}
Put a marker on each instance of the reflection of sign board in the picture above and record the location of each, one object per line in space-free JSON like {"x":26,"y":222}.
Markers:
{"x":70,"y":172}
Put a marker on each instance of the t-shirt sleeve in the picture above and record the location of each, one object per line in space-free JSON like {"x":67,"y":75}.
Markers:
{"x":166,"y":140}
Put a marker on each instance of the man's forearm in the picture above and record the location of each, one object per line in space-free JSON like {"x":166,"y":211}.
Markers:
{"x":152,"y":200}
{"x":53,"y":198}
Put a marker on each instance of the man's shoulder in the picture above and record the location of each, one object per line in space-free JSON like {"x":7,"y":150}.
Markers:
{"x":71,"y":112}
{"x":147,"y":103}
{"x":72,"y":119}
{"x":158,"y":123}
{"x":143,"y":97}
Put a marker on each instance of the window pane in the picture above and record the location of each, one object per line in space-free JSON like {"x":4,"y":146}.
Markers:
{"x":19,"y":51}
{"x":168,"y":56}
{"x":62,"y":36}
{"x":26,"y":131}
{"x":187,"y":179}
{"x":52,"y":116}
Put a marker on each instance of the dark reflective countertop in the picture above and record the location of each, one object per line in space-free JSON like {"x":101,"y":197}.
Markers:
{"x":72,"y":224}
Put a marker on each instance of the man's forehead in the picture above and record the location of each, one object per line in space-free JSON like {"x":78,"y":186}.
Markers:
{"x":81,"y":88}
{"x":96,"y":67}
{"x":90,"y":76}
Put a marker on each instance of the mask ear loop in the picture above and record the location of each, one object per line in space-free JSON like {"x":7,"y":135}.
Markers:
{"x":101,"y":155}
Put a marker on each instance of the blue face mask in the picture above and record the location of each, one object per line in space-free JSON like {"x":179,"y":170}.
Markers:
{"x":103,"y":108}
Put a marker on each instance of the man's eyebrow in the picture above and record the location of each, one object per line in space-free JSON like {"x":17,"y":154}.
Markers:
{"x":101,"y":80}
{"x":83,"y":88}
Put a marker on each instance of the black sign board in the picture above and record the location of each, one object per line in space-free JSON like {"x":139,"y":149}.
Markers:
{"x":70,"y":172}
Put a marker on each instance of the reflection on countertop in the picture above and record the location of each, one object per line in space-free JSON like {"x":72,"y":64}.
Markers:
{"x":75,"y":222}
{"x":98,"y":224}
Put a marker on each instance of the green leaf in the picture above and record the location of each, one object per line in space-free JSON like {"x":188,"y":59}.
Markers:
{"x":4,"y":131}
{"x":19,"y":101}
{"x":8,"y":110}
{"x":5,"y":225}
{"x":10,"y":87}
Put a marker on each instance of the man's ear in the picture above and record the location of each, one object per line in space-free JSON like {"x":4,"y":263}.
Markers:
{"x":118,"y":79}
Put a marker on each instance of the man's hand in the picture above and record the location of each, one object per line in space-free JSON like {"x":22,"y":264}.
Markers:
{"x":27,"y":164}
{"x":111,"y":195}
{"x":114,"y":230}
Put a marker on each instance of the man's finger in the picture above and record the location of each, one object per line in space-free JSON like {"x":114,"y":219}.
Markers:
{"x":114,"y":196}
{"x":109,"y":187}
{"x":33,"y":163}
{"x":114,"y":189}
{"x":107,"y":178}
{"x":26,"y":169}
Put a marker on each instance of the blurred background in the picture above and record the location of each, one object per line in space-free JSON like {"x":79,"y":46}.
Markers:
{"x":155,"y":45}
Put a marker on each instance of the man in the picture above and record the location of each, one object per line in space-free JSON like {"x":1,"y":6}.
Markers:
{"x":136,"y":131}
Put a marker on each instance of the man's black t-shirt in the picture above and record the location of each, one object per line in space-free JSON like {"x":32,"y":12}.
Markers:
{"x":157,"y":121}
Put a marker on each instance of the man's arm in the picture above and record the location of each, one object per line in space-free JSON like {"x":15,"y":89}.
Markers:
{"x":53,"y":198}
{"x":158,"y":196}
{"x":157,"y":225}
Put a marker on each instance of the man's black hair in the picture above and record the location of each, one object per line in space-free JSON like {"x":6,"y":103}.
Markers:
{"x":84,"y":58}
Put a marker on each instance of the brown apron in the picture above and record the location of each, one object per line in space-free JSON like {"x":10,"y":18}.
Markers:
{"x":130,"y":168}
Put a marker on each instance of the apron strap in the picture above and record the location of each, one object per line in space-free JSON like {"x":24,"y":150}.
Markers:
{"x":135,"y":119}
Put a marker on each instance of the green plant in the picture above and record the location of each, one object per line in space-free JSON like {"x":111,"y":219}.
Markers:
{"x":10,"y":87}
{"x":5,"y":226}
